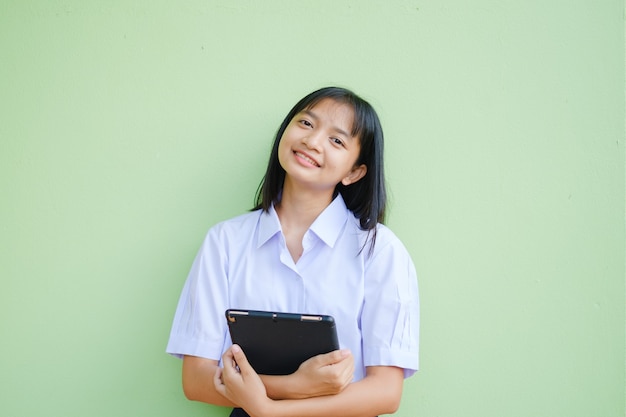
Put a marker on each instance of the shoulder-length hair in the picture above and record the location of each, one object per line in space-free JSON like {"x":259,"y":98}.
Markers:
{"x":366,"y":198}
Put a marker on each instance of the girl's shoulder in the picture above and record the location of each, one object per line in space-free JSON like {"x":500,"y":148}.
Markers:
{"x":385,"y":238}
{"x":236,"y":225}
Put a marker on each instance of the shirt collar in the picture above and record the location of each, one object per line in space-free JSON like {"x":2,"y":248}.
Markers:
{"x":330,"y":222}
{"x":327,"y":226}
{"x":269,"y":225}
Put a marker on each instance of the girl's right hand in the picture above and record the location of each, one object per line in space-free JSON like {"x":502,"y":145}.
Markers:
{"x":325,"y":374}
{"x":238,"y":382}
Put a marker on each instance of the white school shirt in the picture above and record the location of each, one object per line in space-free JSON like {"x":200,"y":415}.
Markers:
{"x":244,"y":263}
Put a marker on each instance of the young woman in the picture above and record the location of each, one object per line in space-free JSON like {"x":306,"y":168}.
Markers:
{"x":314,"y":244}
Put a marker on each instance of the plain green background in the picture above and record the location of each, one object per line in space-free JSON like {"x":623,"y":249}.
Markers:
{"x":128,"y":128}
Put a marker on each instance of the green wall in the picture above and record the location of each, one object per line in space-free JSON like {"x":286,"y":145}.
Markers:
{"x":128,"y":128}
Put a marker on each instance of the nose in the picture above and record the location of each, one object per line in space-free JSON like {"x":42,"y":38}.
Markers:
{"x":313,"y":140}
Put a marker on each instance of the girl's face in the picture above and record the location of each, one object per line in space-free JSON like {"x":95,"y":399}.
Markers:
{"x":317,"y":150}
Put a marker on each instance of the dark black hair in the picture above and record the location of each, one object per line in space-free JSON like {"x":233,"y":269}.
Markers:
{"x":366,"y":198}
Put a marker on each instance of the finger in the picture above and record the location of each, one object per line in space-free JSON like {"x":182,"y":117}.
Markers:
{"x":334,"y":357}
{"x":229,"y":363}
{"x":241,"y":362}
{"x":217,"y":377}
{"x":218,"y":381}
{"x":227,"y":358}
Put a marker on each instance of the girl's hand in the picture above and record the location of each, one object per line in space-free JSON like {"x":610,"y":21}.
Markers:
{"x":325,"y":374}
{"x":238,"y":382}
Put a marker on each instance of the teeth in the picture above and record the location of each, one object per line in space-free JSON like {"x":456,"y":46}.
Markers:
{"x":306,"y":158}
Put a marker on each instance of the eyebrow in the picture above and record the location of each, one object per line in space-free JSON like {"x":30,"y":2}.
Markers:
{"x":335,"y":128}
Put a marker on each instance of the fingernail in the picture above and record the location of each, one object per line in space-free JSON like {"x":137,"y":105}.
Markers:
{"x":236,"y":349}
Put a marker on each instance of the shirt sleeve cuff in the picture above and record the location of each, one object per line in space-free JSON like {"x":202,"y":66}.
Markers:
{"x":179,"y":347}
{"x":408,"y":361}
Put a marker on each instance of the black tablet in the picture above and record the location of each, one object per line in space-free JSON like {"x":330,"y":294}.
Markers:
{"x":277,"y":343}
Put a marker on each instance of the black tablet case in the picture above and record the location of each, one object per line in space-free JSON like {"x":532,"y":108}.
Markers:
{"x":277,"y":343}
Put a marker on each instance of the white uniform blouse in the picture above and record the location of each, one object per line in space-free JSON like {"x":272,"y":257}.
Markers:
{"x":244,"y":263}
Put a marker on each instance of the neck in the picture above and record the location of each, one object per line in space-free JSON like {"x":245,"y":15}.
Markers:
{"x":299,"y":208}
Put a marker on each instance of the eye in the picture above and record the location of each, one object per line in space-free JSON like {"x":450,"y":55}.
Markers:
{"x":306,"y":123}
{"x":336,"y":141}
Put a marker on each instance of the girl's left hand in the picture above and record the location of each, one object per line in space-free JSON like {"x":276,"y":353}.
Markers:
{"x":238,"y":382}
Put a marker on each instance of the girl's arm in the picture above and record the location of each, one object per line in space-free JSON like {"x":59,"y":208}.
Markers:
{"x":325,"y":374}
{"x":378,"y":393}
{"x":321,"y":375}
{"x":197,"y":376}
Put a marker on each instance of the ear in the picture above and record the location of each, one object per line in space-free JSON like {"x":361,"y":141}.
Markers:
{"x":356,"y":174}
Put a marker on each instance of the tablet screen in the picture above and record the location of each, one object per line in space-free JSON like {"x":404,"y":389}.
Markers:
{"x":277,"y":343}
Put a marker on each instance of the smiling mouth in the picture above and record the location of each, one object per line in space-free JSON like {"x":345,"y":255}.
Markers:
{"x":306,"y":158}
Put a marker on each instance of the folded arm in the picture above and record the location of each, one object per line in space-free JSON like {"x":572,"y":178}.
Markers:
{"x":321,"y":375}
{"x":378,"y":393}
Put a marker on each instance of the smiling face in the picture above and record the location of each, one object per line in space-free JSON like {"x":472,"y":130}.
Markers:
{"x":317,"y":150}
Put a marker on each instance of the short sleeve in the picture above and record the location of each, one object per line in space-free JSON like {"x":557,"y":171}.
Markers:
{"x":199,"y":327}
{"x":390,"y":317}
